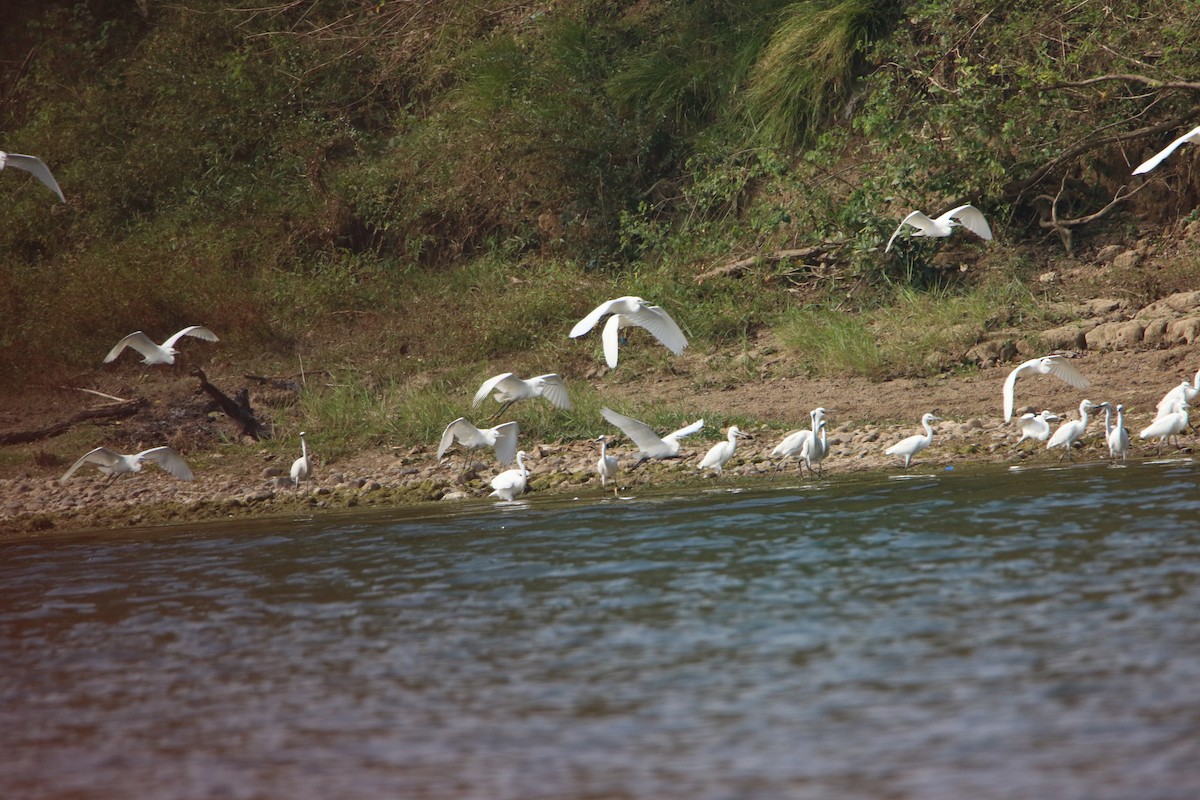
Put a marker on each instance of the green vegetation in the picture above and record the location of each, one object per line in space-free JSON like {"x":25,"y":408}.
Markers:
{"x":407,"y":194}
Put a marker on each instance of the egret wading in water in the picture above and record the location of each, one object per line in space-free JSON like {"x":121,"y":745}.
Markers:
{"x":628,"y":312}
{"x":1071,"y":432}
{"x":1116,"y":435}
{"x":650,"y":444}
{"x":1168,"y":425}
{"x":35,"y":167}
{"x":158,"y":354}
{"x":512,"y":482}
{"x":302,"y":466}
{"x":509,"y":389}
{"x":721,"y":452}
{"x":907,"y":448}
{"x":1057,"y":366}
{"x":606,"y":465}
{"x":966,"y":216}
{"x":1036,"y":426}
{"x":112,"y":463}
{"x":793,"y":444}
{"x":1153,"y":161}
{"x":502,"y":439}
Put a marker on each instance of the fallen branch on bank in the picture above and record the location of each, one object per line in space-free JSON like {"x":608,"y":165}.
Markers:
{"x":126,"y":408}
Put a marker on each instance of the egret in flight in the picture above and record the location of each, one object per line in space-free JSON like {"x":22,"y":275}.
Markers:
{"x":35,"y":167}
{"x":302,"y":466}
{"x":606,"y":466}
{"x":650,"y":444}
{"x":502,"y":439}
{"x":509,"y":389}
{"x":627,"y":312}
{"x":1170,"y":424}
{"x":907,"y":448}
{"x":966,"y":216}
{"x":113,"y":463}
{"x":721,"y":452}
{"x":1071,"y":432}
{"x":1116,"y":435}
{"x":512,"y":482}
{"x":1192,"y":136}
{"x":1058,"y":366}
{"x":1036,"y":426}
{"x":158,"y":354}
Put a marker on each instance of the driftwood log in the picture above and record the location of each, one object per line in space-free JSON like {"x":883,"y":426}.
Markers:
{"x":737,"y":268}
{"x":126,"y":408}
{"x":237,"y":410}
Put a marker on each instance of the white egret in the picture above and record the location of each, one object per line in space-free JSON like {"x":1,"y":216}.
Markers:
{"x":607,"y":465}
{"x":502,"y":439}
{"x":627,"y":312}
{"x":35,"y":167}
{"x":721,"y":452}
{"x":815,"y":449}
{"x":1056,"y":365}
{"x":966,"y":216}
{"x":1192,"y":136}
{"x":158,"y":354}
{"x":1170,"y":424}
{"x":907,"y":448}
{"x":1036,"y":426}
{"x":650,"y":445}
{"x":793,"y":444}
{"x":1116,"y":435}
{"x":1184,"y":391}
{"x":512,"y":482}
{"x":1071,"y":432}
{"x":509,"y":389}
{"x":113,"y":463}
{"x":302,"y":466}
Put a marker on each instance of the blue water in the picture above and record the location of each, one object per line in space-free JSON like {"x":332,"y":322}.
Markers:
{"x":995,"y":634}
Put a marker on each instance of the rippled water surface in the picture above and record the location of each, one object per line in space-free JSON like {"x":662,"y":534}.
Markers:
{"x":1002,"y":634}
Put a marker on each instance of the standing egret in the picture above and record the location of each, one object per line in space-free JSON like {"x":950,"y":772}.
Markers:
{"x":502,"y":439}
{"x":1056,"y":365}
{"x":907,"y":448}
{"x":35,"y":167}
{"x":1116,"y":435}
{"x":1036,"y":426}
{"x":793,"y":443}
{"x":113,"y":463}
{"x":1184,"y":391}
{"x":815,"y":449}
{"x":627,"y":312}
{"x":966,"y":216}
{"x":511,"y":482}
{"x":721,"y":452}
{"x":1071,"y":432}
{"x":509,"y":389}
{"x":158,"y":354}
{"x":650,"y":445}
{"x":1168,"y":425}
{"x":302,"y":466}
{"x":1192,"y":136}
{"x":607,"y":465}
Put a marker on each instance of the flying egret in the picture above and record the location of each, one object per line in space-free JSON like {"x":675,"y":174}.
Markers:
{"x":511,"y":482}
{"x":1116,"y":435}
{"x":1071,"y":431}
{"x":502,"y":439}
{"x":302,"y":466}
{"x":1168,"y":425}
{"x":1192,"y":136}
{"x":1056,"y":365}
{"x":35,"y":167}
{"x":1184,"y":391}
{"x":721,"y":452}
{"x":113,"y":463}
{"x":607,"y":465}
{"x":509,"y":389}
{"x":627,"y":312}
{"x":966,"y":216}
{"x":916,"y":443}
{"x":650,"y":445}
{"x":815,"y":449}
{"x":1036,"y":426}
{"x":158,"y":354}
{"x":793,"y":444}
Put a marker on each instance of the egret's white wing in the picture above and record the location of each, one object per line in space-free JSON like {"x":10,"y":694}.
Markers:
{"x":659,"y":323}
{"x":554,"y":389}
{"x":488,"y":386}
{"x":463,"y":431}
{"x":611,"y":337}
{"x":792,"y":443}
{"x":101,"y":455}
{"x":919,"y":221}
{"x":1010,"y":384}
{"x":1064,"y":370}
{"x":506,"y":442}
{"x":199,"y":331}
{"x":35,"y":167}
{"x":687,"y":430}
{"x":905,"y":446}
{"x":169,"y":460}
{"x":138,"y":341}
{"x":970,"y":218}
{"x":639,"y":433}
{"x":1191,"y":136}
{"x":587,"y":323}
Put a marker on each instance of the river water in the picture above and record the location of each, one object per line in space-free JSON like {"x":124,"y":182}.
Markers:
{"x":987,"y":634}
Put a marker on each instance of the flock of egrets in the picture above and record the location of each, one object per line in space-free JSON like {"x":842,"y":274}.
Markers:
{"x":809,"y":446}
